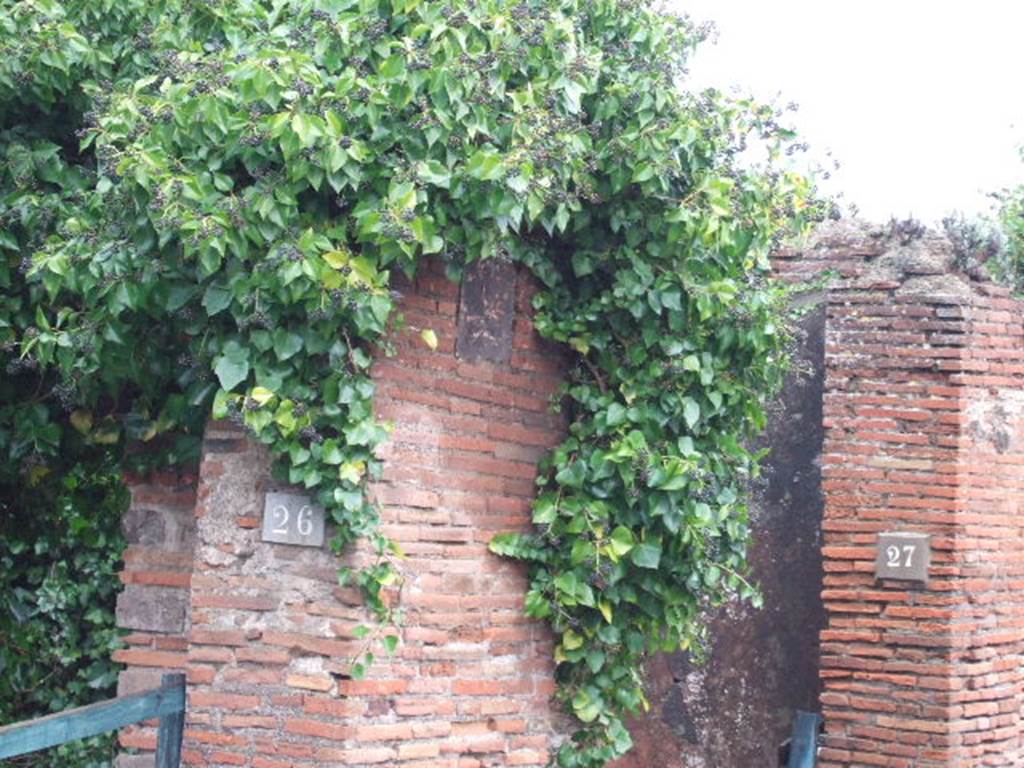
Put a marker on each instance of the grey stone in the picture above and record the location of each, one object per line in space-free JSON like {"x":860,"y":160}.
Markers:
{"x":487,"y":309}
{"x":136,"y":761}
{"x":147,"y":527}
{"x":152,"y":609}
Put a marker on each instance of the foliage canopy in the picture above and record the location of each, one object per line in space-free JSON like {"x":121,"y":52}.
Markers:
{"x":202,"y":202}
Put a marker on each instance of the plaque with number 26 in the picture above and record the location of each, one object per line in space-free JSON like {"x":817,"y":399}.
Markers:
{"x":290,"y":518}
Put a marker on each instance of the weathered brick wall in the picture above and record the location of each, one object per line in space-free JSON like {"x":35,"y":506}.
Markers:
{"x":923,"y":417}
{"x":271,"y":632}
{"x":923,"y":373}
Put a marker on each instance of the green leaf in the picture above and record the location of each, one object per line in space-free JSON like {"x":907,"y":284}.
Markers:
{"x":434,"y":172}
{"x":286,"y":344}
{"x":691,"y":412}
{"x":646,"y":555}
{"x":486,"y":165}
{"x":615,"y":415}
{"x":586,"y":705}
{"x":305,"y":128}
{"x":232,"y":366}
{"x":621,"y":541}
{"x":216,"y":299}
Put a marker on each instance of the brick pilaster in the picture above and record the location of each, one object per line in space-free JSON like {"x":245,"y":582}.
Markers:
{"x":270,"y":632}
{"x":923,"y":434}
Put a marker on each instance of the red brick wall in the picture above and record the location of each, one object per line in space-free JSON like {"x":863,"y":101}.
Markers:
{"x":923,"y":433}
{"x":270,"y":632}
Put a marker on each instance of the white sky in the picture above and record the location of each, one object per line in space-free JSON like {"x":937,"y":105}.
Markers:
{"x":920,"y":101}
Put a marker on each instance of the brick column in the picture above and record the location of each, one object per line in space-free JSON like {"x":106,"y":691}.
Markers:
{"x":160,"y":529}
{"x":272,"y":632}
{"x":923,"y":434}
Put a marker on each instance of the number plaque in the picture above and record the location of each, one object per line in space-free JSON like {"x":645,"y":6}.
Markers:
{"x":289,"y":518}
{"x":903,"y":556}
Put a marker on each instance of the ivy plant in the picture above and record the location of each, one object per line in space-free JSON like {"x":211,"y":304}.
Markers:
{"x":205,"y":200}
{"x":60,"y":552}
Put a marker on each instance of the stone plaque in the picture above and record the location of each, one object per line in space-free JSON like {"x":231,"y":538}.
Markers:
{"x":904,"y":556}
{"x":487,"y":311}
{"x":290,"y":518}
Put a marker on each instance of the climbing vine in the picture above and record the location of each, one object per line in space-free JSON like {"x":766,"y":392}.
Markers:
{"x":204,"y":200}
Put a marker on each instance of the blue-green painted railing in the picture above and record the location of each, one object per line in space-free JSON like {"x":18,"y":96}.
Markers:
{"x":166,"y":702}
{"x":803,"y":748}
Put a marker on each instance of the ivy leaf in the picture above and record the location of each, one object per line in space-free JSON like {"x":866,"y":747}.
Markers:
{"x":486,"y":165}
{"x":586,"y":705}
{"x":647,"y":555}
{"x":305,"y":129}
{"x":81,"y":421}
{"x":261,"y":395}
{"x":621,"y":541}
{"x":286,"y":344}
{"x":429,"y":338}
{"x":232,"y":366}
{"x":571,"y":640}
{"x":615,"y":415}
{"x":434,"y":172}
{"x":595,"y":660}
{"x":216,"y":299}
{"x":691,"y":412}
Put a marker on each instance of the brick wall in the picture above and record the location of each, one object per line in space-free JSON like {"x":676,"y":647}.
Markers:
{"x":270,"y":631}
{"x":922,"y":411}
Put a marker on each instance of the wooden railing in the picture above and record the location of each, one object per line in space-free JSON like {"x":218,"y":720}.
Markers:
{"x":166,"y":702}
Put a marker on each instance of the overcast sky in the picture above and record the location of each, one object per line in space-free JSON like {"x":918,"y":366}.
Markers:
{"x":920,"y":100}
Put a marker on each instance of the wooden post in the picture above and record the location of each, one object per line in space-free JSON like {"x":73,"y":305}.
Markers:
{"x":168,"y":738}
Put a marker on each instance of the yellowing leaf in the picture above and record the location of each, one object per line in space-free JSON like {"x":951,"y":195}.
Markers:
{"x":261,"y":395}
{"x":337,"y":259}
{"x":37,"y":473}
{"x":579,"y":344}
{"x":571,"y":640}
{"x":81,"y":421}
{"x":108,"y":434}
{"x":606,"y":610}
{"x":429,"y":338}
{"x":351,"y":471}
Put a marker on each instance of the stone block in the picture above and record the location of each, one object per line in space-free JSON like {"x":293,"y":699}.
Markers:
{"x":152,"y":609}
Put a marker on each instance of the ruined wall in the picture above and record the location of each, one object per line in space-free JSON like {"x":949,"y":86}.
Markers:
{"x":923,"y":418}
{"x":270,"y":632}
